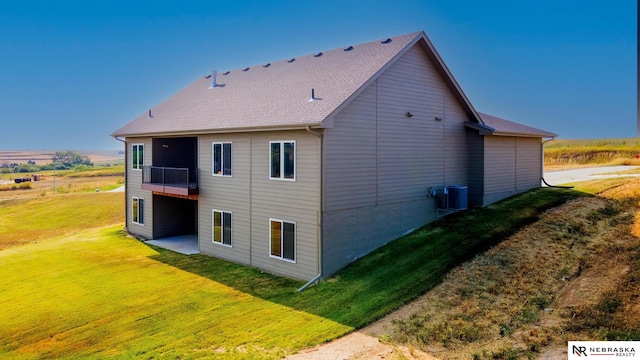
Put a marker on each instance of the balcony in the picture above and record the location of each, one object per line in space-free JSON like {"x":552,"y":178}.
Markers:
{"x":181,"y":182}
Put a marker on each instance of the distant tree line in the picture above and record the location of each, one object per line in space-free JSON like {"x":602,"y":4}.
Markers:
{"x":61,"y":160}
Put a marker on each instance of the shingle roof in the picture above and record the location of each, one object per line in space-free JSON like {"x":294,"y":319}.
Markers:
{"x":499,"y":126}
{"x":277,"y":96}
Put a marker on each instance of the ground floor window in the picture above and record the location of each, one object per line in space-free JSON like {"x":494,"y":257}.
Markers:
{"x":282,"y":243}
{"x":137,"y":211}
{"x":222,"y":227}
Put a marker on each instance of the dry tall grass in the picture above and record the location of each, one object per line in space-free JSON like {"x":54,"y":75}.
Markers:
{"x":592,"y":152}
{"x":571,"y":275}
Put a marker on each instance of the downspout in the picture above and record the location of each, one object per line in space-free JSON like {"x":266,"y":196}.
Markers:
{"x":542,"y":153}
{"x":316,"y":279}
{"x":542,"y":175}
{"x":126,"y":188}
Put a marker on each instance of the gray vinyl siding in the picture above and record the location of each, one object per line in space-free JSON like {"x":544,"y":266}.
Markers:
{"x":379,"y":163}
{"x":475,"y":142}
{"x":293,"y":201}
{"x":133,"y":183}
{"x":253,"y":198}
{"x":224,"y":193}
{"x":351,"y":155}
{"x":512,"y":165}
{"x":528,"y":163}
{"x":500,"y":168}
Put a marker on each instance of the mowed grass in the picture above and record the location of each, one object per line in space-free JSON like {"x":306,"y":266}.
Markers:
{"x":38,"y":219}
{"x":100,"y":294}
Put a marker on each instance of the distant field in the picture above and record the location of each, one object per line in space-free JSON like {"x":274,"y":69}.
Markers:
{"x":600,"y":152}
{"x":44,"y":156}
{"x":100,"y":178}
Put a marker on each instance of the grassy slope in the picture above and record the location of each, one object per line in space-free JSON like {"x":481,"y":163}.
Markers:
{"x":580,"y":259}
{"x":98,"y":294}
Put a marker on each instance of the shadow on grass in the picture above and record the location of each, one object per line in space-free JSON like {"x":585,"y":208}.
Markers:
{"x":392,"y":275}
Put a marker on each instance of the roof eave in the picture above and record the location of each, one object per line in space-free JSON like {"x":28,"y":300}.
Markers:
{"x":450,"y":80}
{"x":519,"y":134}
{"x":220,"y":131}
{"x":481,"y":128}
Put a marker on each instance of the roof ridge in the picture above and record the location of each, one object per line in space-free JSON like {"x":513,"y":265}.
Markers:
{"x":323,"y":52}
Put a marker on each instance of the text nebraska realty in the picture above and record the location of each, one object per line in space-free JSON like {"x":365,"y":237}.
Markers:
{"x":604,"y":351}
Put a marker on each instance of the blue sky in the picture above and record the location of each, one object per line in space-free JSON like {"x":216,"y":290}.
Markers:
{"x":72,"y":72}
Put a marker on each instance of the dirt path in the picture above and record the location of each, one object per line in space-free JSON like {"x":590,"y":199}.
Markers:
{"x":359,"y":345}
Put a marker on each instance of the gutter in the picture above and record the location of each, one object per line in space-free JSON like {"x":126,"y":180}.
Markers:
{"x":222,"y":131}
{"x":481,"y":128}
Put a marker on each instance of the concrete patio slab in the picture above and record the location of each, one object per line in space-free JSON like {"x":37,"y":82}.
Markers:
{"x":184,"y":244}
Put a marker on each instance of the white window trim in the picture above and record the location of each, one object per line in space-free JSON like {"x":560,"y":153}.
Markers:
{"x":139,"y":168}
{"x":222,"y":157}
{"x":133,"y":198}
{"x":213,"y":211}
{"x":295,"y":160}
{"x":295,"y":240}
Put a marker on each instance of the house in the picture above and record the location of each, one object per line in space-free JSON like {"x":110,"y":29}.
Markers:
{"x":300,"y":166}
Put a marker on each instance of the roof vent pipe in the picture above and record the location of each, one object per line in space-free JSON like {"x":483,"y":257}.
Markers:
{"x":150,"y":116}
{"x":214,"y":74}
{"x":313,"y":95}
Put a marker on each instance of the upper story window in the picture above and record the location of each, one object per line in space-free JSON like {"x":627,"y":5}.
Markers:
{"x":222,"y":159}
{"x":282,"y":160}
{"x":138,"y":156}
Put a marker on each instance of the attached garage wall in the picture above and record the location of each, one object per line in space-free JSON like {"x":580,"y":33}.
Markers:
{"x":511,"y":165}
{"x":475,"y":142}
{"x":528,"y":163}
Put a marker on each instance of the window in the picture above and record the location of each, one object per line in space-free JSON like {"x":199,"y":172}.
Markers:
{"x":282,"y":240}
{"x":137,"y":211}
{"x":283,"y":160}
{"x":138,"y":156}
{"x":222,"y":227}
{"x":222,"y":159}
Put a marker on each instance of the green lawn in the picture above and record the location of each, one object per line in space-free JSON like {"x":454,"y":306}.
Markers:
{"x":100,"y":294}
{"x":43,"y":218}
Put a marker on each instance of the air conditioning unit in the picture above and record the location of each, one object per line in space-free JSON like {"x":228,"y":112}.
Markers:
{"x":457,"y":197}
